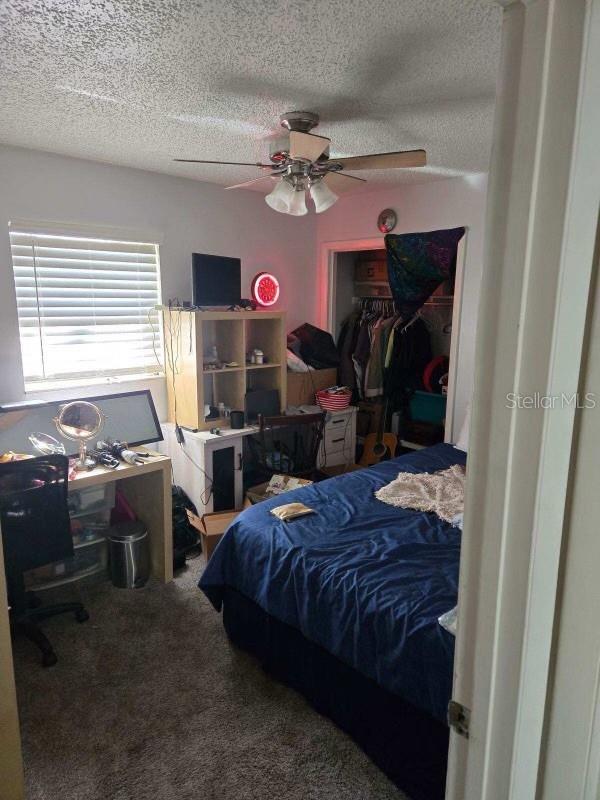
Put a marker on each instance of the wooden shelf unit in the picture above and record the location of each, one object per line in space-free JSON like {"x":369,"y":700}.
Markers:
{"x":190,"y":339}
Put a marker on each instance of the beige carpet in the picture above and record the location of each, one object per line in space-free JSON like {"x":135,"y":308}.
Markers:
{"x":149,"y":701}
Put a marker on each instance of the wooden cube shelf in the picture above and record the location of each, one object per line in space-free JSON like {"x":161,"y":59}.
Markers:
{"x":191,"y":340}
{"x":264,"y":333}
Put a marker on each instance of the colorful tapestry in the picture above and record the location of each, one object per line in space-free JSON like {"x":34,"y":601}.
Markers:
{"x":418,"y":263}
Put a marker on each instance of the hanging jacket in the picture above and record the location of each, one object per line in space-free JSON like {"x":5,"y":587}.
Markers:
{"x":346,"y":344}
{"x":410,"y":355}
{"x":361,"y":354}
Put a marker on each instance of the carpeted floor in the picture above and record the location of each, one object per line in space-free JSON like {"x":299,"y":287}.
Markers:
{"x":149,"y":701}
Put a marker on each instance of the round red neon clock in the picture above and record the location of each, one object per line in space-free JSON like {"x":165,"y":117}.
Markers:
{"x":265,"y":289}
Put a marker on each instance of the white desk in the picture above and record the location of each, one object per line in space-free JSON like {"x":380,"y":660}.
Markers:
{"x":193,"y":462}
{"x":147,"y":488}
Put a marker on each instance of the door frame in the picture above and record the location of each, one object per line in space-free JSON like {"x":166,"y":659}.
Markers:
{"x":543,"y":203}
{"x":11,"y":758}
{"x":328,"y":271}
{"x":328,"y":275}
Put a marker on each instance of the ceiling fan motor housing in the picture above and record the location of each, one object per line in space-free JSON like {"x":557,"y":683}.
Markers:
{"x":300,"y":121}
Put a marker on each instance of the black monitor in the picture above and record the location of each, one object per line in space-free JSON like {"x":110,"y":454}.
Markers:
{"x":216,"y":280}
{"x":262,"y":401}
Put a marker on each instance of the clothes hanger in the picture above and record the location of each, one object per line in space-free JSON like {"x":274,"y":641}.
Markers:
{"x":411,"y":321}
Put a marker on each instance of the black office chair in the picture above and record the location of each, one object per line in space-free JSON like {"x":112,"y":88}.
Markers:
{"x":288,"y":445}
{"x":36,"y":531}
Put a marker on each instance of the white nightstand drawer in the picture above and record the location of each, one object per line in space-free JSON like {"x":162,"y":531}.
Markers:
{"x":336,"y":440}
{"x":339,"y":419}
{"x":339,"y":438}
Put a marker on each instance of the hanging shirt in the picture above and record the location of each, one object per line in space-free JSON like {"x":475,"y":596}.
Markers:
{"x":374,"y":371}
{"x":389,"y":352}
{"x":387,"y":326}
{"x":361,"y":354}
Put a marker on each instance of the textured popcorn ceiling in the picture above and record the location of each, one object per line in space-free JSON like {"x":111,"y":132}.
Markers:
{"x":138,"y":82}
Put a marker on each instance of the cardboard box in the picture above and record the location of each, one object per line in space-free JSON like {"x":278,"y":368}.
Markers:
{"x":302,"y":386}
{"x":211,"y":528}
{"x":366,"y":271}
{"x":256,"y":494}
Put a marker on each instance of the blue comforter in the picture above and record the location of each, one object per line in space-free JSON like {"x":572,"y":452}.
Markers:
{"x":365,"y":580}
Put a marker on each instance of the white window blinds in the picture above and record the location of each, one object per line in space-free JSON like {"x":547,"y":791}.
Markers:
{"x":86,"y":306}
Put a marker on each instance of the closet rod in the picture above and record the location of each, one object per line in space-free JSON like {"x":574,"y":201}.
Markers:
{"x":428,"y":303}
{"x":372,"y":297}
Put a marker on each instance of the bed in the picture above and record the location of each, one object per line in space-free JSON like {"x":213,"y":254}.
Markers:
{"x":343,"y":606}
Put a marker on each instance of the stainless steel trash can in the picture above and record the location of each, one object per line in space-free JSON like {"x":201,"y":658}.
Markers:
{"x":129,"y":555}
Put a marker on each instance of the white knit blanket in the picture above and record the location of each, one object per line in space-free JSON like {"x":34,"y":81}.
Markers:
{"x":442,"y":492}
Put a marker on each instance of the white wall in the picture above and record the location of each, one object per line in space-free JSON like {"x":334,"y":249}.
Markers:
{"x":187,"y":215}
{"x":422,"y":207}
{"x":192,"y":216}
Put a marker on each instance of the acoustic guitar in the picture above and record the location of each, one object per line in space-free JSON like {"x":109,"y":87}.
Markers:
{"x":380,"y":445}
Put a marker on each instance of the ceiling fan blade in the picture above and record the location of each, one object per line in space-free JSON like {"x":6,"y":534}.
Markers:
{"x":339,"y":182}
{"x":254,"y":180}
{"x":307,"y":146}
{"x":406,"y":158}
{"x":227,"y":163}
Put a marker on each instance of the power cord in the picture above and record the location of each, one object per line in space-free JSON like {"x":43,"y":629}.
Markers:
{"x":153,"y":329}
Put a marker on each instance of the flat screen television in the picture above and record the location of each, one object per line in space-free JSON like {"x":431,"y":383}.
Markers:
{"x":216,"y":280}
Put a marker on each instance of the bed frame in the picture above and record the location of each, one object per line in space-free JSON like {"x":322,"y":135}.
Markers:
{"x":408,"y":745}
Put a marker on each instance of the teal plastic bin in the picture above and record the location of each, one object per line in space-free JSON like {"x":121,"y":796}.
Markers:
{"x":428,"y":407}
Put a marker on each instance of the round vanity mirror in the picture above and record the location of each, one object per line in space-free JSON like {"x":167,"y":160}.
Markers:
{"x":47,"y":445}
{"x":80,"y":421}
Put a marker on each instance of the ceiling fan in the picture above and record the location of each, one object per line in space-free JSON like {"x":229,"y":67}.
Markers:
{"x":300,"y":162}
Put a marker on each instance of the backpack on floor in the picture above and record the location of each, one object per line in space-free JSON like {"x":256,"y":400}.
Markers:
{"x":185,"y":537}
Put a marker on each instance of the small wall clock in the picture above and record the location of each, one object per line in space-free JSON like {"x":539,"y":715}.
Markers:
{"x":386,"y":221}
{"x":265,"y":289}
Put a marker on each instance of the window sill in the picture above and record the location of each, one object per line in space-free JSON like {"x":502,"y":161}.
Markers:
{"x":76,"y":383}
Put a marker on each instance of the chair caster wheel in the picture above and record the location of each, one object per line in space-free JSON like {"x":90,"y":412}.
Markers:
{"x":49,"y":659}
{"x":82,"y":616}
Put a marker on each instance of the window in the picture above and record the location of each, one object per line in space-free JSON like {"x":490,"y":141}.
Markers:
{"x":86,"y":307}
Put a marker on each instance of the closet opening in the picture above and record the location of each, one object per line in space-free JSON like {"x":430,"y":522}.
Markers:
{"x":414,"y":399}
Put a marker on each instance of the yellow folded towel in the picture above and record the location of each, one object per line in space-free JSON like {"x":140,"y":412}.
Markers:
{"x":291,"y":511}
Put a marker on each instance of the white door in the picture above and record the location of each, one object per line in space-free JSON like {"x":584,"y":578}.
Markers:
{"x":543,"y":202}
{"x":572,"y":745}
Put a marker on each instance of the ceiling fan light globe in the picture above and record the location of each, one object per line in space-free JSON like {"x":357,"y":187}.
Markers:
{"x":281,"y":197}
{"x":276,"y":203}
{"x":322,"y":196}
{"x":298,"y":204}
